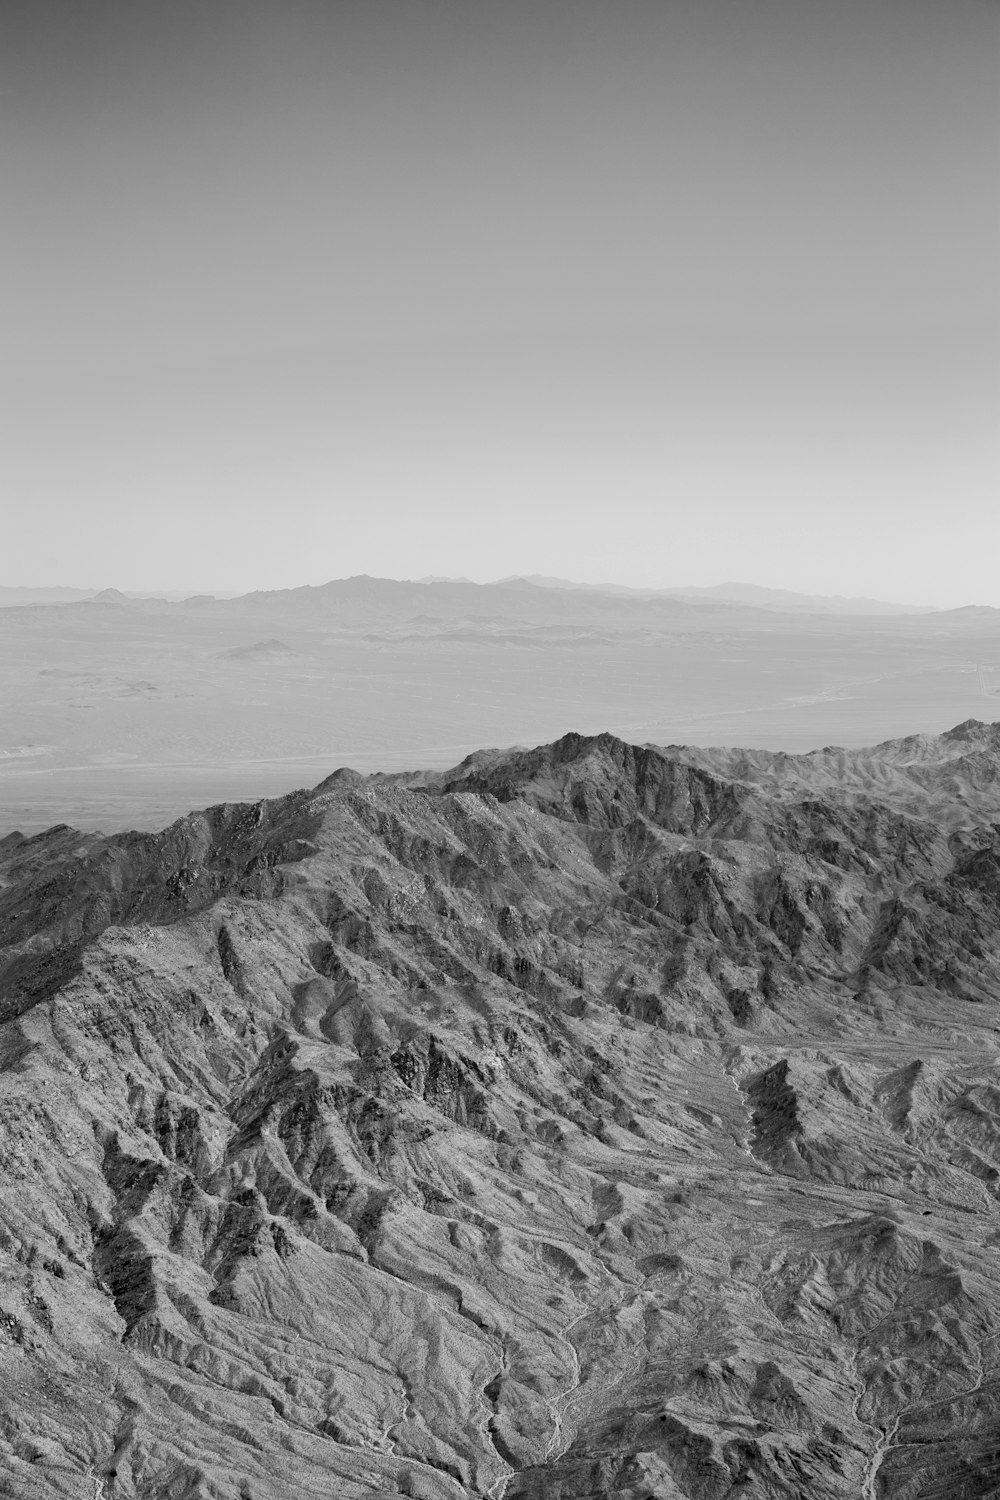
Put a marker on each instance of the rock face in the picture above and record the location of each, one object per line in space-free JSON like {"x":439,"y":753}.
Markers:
{"x":592,"y":1121}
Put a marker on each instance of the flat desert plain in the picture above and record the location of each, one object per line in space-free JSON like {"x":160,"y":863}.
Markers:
{"x":119,"y":713}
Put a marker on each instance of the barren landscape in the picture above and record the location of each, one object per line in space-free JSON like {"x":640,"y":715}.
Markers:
{"x":499,"y":751}
{"x":584,"y":1121}
{"x":120,"y":713}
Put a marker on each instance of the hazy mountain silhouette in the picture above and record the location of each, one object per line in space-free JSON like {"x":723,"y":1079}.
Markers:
{"x":738,"y":593}
{"x":388,"y":673}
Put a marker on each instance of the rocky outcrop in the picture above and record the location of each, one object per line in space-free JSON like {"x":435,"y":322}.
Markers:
{"x":588,"y":1121}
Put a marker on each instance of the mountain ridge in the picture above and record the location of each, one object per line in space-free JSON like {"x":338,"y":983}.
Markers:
{"x":586,"y":1120}
{"x":359,"y":585}
{"x":733,"y":592}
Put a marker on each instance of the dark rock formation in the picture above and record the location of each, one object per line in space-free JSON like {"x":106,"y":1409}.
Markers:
{"x":594,"y":1120}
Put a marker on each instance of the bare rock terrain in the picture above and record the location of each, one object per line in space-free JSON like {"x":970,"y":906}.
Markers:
{"x":587,"y":1121}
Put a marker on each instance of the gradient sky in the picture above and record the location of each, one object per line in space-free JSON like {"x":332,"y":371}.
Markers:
{"x":658,"y":293}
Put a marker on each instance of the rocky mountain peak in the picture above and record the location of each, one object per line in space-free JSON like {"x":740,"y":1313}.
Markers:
{"x":590,"y":1120}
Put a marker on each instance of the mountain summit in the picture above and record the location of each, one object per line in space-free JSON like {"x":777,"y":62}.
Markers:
{"x":594,"y":1120}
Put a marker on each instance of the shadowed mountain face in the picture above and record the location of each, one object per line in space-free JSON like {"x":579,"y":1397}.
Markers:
{"x":587,"y":1121}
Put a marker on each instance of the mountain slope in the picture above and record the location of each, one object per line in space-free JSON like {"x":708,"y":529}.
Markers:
{"x":594,"y":1120}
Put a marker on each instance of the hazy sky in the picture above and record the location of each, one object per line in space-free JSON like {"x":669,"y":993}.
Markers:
{"x":657,"y":293}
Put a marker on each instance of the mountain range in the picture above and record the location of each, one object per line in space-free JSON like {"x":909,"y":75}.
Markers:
{"x":729,"y":593}
{"x":589,"y":1120}
{"x":741,"y":593}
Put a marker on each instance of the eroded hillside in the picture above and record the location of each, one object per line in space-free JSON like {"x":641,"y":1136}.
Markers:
{"x":594,"y":1121}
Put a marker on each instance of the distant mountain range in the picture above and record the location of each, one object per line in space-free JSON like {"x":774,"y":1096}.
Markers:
{"x":749,"y":595}
{"x":739,"y":593}
{"x":11,"y":595}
